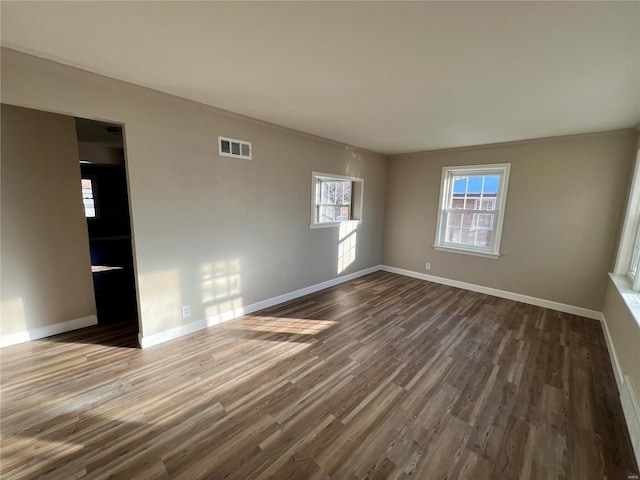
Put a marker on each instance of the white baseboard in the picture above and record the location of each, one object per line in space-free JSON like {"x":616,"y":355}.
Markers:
{"x":539,"y":302}
{"x":615,"y":364}
{"x":631,"y":410}
{"x":628,"y":397}
{"x":47,"y":330}
{"x":161,"y":337}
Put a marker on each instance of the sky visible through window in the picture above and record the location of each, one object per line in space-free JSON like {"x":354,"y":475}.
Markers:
{"x":474,"y":184}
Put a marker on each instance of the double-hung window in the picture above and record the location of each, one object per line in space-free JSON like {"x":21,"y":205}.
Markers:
{"x":335,"y":199}
{"x":471,"y":210}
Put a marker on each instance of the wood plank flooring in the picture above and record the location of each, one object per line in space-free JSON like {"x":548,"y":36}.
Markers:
{"x":384,"y":377}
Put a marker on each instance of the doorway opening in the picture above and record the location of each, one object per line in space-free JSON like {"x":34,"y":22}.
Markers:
{"x":106,"y":203}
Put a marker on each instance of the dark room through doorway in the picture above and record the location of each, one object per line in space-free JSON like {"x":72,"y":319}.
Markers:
{"x":106,"y":204}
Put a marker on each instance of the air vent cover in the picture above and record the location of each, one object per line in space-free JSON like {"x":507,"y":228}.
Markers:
{"x":230,"y":147}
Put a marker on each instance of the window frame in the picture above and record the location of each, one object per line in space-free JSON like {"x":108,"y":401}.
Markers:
{"x":630,"y":235}
{"x":355,"y":205}
{"x":94,"y":196}
{"x":446,"y":192}
{"x":634,"y":261}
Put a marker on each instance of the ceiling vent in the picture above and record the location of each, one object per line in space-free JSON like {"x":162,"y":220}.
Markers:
{"x":230,"y":147}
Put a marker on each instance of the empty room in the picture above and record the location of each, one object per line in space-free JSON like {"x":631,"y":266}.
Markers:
{"x":320,"y":240}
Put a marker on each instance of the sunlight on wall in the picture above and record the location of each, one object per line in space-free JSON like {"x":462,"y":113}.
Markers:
{"x":161,"y":301}
{"x":220,"y":284}
{"x":353,"y":158}
{"x":13,"y":316}
{"x":347,"y":237}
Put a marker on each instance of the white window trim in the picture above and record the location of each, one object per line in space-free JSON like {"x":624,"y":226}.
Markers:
{"x":502,"y":169}
{"x":626,"y":285}
{"x":634,"y":279}
{"x":357,"y":198}
{"x":631,"y":224}
{"x":629,"y":237}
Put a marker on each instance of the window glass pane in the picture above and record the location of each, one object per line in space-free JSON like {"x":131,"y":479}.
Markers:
{"x":483,"y":238}
{"x":457,"y":202}
{"x":633,"y":267}
{"x":460,"y":185}
{"x":87,"y":198}
{"x":472,"y":203}
{"x":469,"y":236}
{"x":474,"y":192}
{"x":488,"y":203}
{"x":454,"y":219}
{"x":346,"y":192}
{"x":491,"y":184}
{"x":335,"y":193}
{"x":475,"y":185}
{"x":485,"y":220}
{"x":325,"y":193}
{"x":333,"y":214}
{"x":453,"y":235}
{"x":635,"y":256}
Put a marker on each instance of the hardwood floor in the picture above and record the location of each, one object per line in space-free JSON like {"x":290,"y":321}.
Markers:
{"x":384,"y":377}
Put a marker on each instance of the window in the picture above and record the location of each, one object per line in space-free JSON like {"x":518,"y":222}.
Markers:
{"x":471,"y":210}
{"x":635,"y":258}
{"x":626,"y":273}
{"x":628,"y":260}
{"x":89,"y":197}
{"x":335,"y":199}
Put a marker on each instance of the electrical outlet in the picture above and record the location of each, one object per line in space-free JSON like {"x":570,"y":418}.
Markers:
{"x":186,"y":311}
{"x":427,"y":266}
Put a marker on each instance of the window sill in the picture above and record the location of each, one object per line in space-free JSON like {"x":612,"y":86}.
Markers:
{"x":335,"y":224}
{"x":630,"y":297}
{"x":464,"y":251}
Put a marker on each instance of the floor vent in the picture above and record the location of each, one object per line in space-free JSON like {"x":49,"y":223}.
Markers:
{"x":230,"y":147}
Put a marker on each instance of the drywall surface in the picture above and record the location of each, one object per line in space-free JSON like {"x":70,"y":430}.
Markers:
{"x":212,"y":232}
{"x":46,"y":269}
{"x":625,"y":334}
{"x":564,"y":207}
{"x":100,"y":154}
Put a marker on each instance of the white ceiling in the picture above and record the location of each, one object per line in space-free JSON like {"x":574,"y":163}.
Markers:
{"x":391,"y":77}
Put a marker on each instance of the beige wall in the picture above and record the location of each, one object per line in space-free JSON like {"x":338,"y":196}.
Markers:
{"x":625,"y":334}
{"x":212,"y":232}
{"x":46,"y":270}
{"x":624,"y":330}
{"x":100,"y":154}
{"x":566,"y":195}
